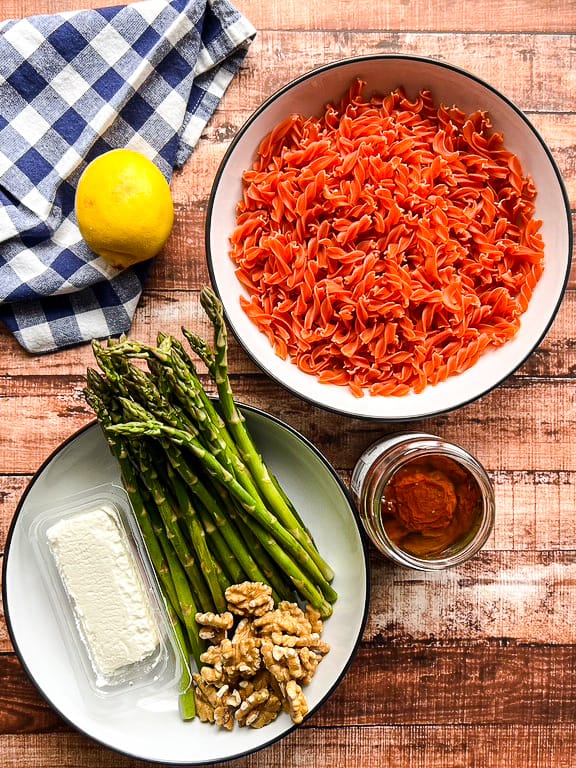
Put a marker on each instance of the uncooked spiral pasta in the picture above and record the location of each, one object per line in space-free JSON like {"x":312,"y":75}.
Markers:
{"x":387,"y":244}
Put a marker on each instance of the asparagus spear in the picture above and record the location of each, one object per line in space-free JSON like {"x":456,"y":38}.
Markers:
{"x":257,"y":565}
{"x":225,"y":555}
{"x":94,"y":393}
{"x":204,"y":496}
{"x":146,"y":391}
{"x":131,"y":485}
{"x":167,"y":510}
{"x":185,"y":597}
{"x":183,"y":380}
{"x":187,"y":380}
{"x":198,"y":536}
{"x":187,"y":697}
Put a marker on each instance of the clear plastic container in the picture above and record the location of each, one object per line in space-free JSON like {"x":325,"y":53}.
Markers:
{"x":106,"y":598}
{"x":416,"y":535}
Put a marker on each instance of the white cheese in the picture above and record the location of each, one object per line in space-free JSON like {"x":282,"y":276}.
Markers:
{"x":106,"y":589}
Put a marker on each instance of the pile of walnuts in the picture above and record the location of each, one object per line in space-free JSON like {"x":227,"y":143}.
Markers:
{"x":258,"y":660}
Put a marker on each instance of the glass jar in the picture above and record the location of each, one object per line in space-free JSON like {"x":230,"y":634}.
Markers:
{"x":425,"y":503}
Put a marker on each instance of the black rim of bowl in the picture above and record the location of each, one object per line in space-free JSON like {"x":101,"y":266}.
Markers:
{"x":210,"y":217}
{"x":259,"y":413}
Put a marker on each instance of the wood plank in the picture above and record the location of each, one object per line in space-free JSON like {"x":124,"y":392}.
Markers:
{"x":408,"y":683}
{"x":540,"y":62}
{"x":522,"y":596}
{"x":168,"y":310}
{"x":535,"y":509}
{"x":519,"y":16}
{"x":191,"y":199}
{"x":22,"y":708}
{"x":497,"y":594}
{"x":11,"y":489}
{"x":498,"y":683}
{"x":526,"y":597}
{"x":167,"y":306}
{"x":433,"y":15}
{"x":539,"y":423}
{"x":429,"y":746}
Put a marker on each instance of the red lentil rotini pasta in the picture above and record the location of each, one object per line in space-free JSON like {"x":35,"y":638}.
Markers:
{"x":387,"y":244}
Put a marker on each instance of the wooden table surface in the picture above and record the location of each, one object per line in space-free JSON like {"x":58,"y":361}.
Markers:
{"x":473,"y":667}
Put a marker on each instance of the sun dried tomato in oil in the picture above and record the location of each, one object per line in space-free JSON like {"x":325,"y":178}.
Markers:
{"x":431,"y":504}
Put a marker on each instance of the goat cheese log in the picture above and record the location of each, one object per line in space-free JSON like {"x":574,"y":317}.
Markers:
{"x":106,"y":590}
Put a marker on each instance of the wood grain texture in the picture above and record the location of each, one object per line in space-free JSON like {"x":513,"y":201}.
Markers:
{"x":530,"y":434}
{"x":473,"y":668}
{"x":398,"y":683}
{"x":433,"y":15}
{"x":456,"y":746}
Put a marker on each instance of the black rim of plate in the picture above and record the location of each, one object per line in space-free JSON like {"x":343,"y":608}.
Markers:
{"x":246,"y":409}
{"x":335,"y":65}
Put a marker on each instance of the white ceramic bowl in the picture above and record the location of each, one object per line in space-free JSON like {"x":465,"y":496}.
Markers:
{"x":151,"y":728}
{"x":308,"y":95}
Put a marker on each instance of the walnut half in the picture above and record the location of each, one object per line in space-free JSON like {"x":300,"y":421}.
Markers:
{"x":251,"y":598}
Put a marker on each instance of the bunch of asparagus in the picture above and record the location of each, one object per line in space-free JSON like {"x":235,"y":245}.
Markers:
{"x":210,"y":511}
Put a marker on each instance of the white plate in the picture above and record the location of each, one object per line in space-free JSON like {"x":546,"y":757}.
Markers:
{"x":307,"y":95}
{"x":158,"y":734}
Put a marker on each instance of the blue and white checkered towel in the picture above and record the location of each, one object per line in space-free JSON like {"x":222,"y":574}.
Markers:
{"x":148,"y":76}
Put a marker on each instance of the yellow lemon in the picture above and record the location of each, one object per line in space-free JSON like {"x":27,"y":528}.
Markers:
{"x":124,"y":207}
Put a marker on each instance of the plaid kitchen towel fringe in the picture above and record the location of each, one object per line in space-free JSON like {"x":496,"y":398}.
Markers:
{"x":148,"y":76}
